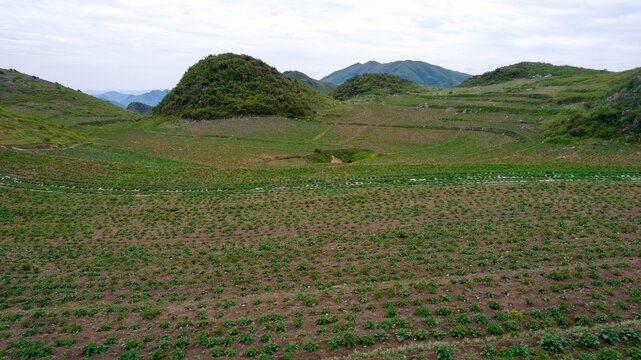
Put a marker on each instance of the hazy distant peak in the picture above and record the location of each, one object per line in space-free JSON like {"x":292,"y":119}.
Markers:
{"x":417,"y":71}
{"x":151,"y":98}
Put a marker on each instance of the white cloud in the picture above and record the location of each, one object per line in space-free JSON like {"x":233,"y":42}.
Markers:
{"x":149,"y":44}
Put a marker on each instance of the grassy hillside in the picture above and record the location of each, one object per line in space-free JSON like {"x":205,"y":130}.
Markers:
{"x":322,"y":86}
{"x":524,"y":70}
{"x":232,"y":85}
{"x":53,"y":102}
{"x":26,"y":131}
{"x":487,"y":127}
{"x":416,"y":71}
{"x":612,"y":114}
{"x":374,"y":84}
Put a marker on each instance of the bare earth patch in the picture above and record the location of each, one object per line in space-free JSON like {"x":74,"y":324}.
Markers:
{"x":335,"y":160}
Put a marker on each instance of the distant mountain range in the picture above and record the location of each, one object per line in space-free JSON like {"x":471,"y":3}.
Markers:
{"x":151,"y":98}
{"x":322,"y":86}
{"x":417,"y":71}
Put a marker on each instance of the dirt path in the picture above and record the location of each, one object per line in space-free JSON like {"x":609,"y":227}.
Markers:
{"x":321,"y":134}
{"x":358,"y":133}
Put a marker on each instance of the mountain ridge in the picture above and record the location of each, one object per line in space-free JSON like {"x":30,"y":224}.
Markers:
{"x":140,"y":108}
{"x":151,"y":98}
{"x":417,"y":71}
{"x":322,"y":86}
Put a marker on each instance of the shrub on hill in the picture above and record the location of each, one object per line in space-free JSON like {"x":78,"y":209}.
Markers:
{"x":617,"y":116}
{"x":524,"y":70}
{"x":140,"y":108}
{"x":374,"y":84}
{"x":229,"y":85}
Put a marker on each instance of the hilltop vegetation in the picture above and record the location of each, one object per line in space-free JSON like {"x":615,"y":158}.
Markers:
{"x":524,"y":70}
{"x":234,"y":85}
{"x":140,"y":108}
{"x":322,"y":86}
{"x":53,"y":102}
{"x":616,"y":116}
{"x":585,"y":103}
{"x":417,"y":71}
{"x":374,"y":84}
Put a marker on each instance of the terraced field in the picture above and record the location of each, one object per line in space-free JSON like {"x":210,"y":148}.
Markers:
{"x":466,"y":237}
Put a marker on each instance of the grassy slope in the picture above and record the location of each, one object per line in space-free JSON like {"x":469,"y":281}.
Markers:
{"x":496,"y":127}
{"x":106,"y":154}
{"x":53,"y":102}
{"x":612,"y":112}
{"x":26,"y":131}
{"x":585,"y":103}
{"x":524,"y":70}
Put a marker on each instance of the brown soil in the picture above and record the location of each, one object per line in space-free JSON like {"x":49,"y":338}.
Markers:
{"x":187,"y":255}
{"x":335,"y":160}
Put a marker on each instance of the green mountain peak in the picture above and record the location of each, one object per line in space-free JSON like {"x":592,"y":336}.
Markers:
{"x":227,"y":85}
{"x":417,"y":71}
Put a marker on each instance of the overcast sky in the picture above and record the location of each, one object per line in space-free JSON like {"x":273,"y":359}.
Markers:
{"x":149,"y":44}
